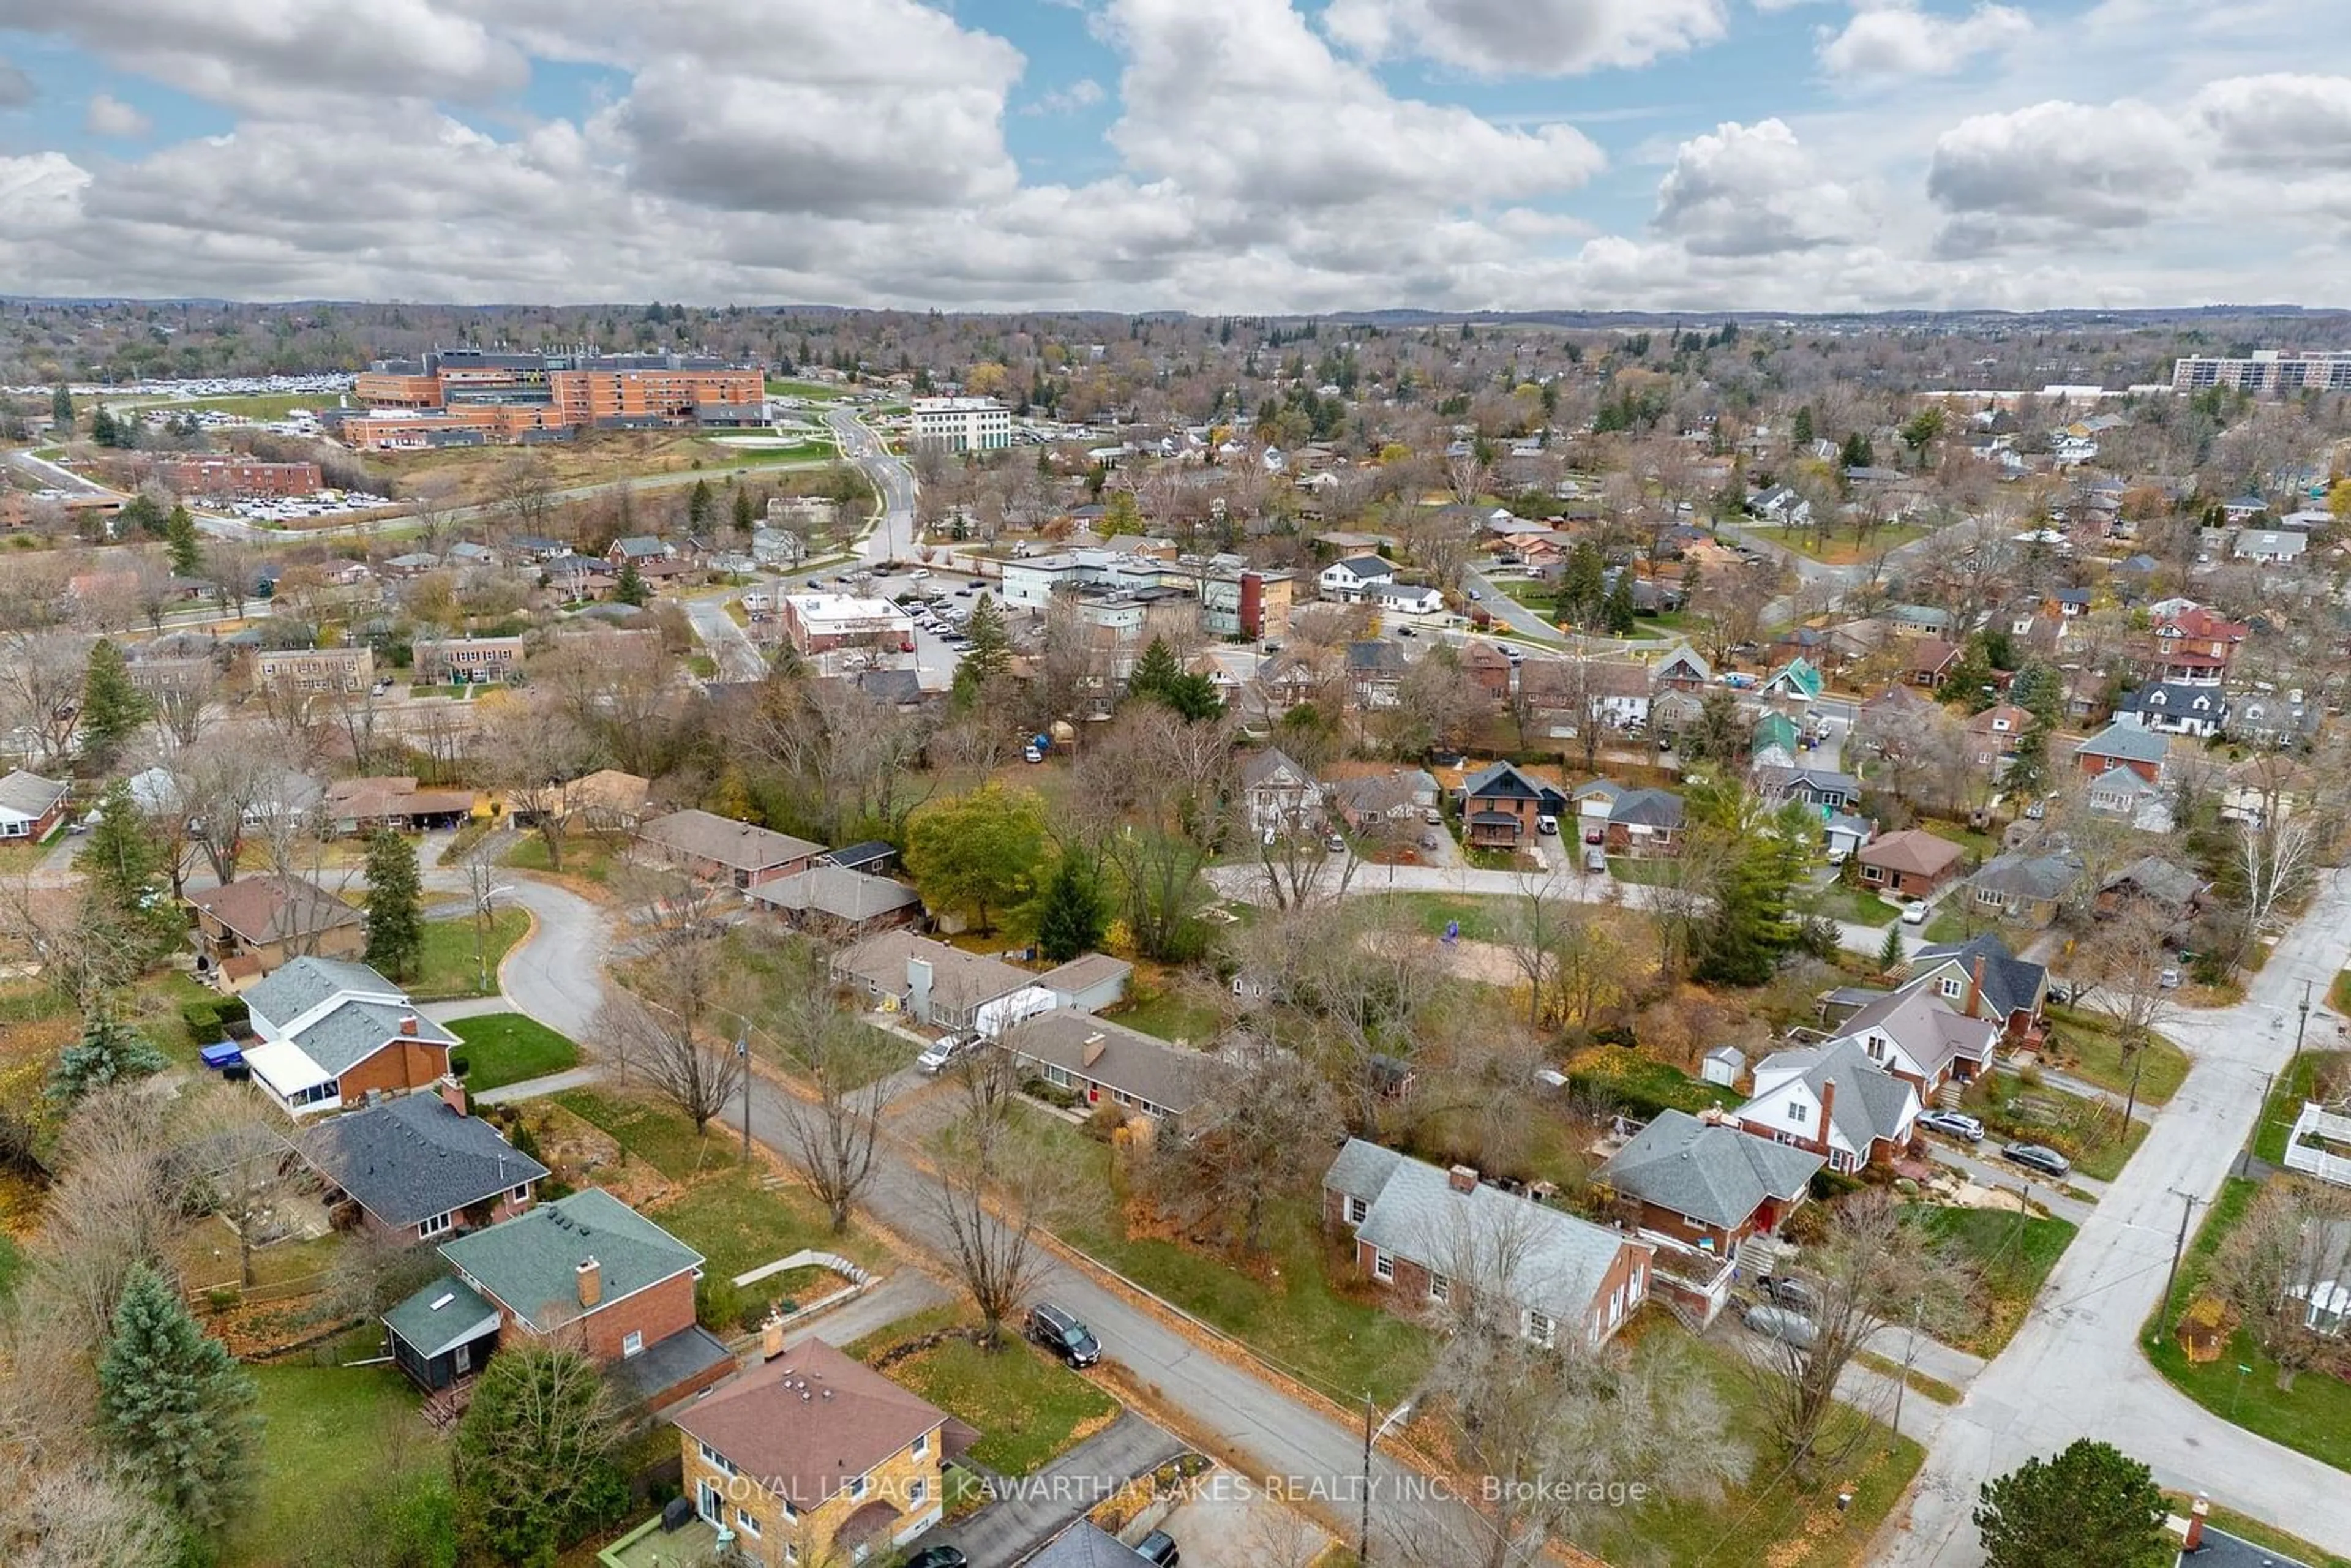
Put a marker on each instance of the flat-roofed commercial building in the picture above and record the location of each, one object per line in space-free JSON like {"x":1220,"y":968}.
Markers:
{"x":820,"y":623}
{"x":962,"y":423}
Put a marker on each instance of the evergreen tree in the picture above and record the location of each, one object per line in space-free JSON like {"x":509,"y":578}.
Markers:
{"x":1581,"y":587}
{"x":1765,"y":852}
{"x":990,"y":654}
{"x":179,"y":539}
{"x":395,"y":903}
{"x":1968,"y":679}
{"x":1618,"y":614}
{"x":1859,"y":453}
{"x":108,"y":1051}
{"x":112,"y":709}
{"x":746,"y":511}
{"x":2027,"y":777}
{"x":1074,"y":916}
{"x":631,"y":589}
{"x":2092,"y":1506}
{"x":121,"y":858}
{"x":1155,"y":672}
{"x":534,"y":1457}
{"x":140,"y":514}
{"x":698,"y":504}
{"x":61,"y":410}
{"x":1802,"y":430}
{"x":103,"y":428}
{"x":174,"y":1401}
{"x":1889,"y":952}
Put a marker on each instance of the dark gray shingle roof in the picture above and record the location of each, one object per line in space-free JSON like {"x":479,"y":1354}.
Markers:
{"x":1711,"y":1173}
{"x":413,"y":1158}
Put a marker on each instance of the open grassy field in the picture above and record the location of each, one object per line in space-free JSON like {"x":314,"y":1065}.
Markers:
{"x":652,"y":1132}
{"x":1840,"y":547}
{"x":2092,"y":1052}
{"x":2312,"y":1417}
{"x":815,"y":391}
{"x":507,"y":1048}
{"x":738,"y":1222}
{"x":262,"y":406}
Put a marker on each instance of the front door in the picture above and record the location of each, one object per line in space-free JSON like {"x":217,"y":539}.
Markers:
{"x":461,"y":1359}
{"x":707,"y":1500}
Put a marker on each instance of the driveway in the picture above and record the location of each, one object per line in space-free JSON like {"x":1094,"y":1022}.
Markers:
{"x":2074,"y":1368}
{"x":1029,"y":1510}
{"x":731,"y":648}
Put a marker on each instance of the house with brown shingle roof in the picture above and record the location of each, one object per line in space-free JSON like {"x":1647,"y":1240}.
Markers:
{"x":257,"y":922}
{"x":720,"y":849}
{"x":1911,"y":862}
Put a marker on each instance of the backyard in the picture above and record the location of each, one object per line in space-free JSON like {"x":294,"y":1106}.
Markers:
{"x":2312,"y":1417}
{"x":1027,"y":1407}
{"x":1861,"y":907}
{"x":326,"y":1432}
{"x":507,"y":1048}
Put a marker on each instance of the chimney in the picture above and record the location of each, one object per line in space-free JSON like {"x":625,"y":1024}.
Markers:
{"x":2197,"y":1511}
{"x":591,"y":1275}
{"x":1462,"y":1178}
{"x":771,"y":1337}
{"x":408,"y":1026}
{"x":1975,"y":988}
{"x":1828,"y":1108}
{"x":1091,"y":1051}
{"x":918,"y":989}
{"x":452,"y":1093}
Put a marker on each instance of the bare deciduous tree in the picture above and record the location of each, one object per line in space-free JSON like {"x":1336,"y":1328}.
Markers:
{"x":834,"y":1129}
{"x":659,"y":1041}
{"x":995,"y":1199}
{"x":1262,"y":1127}
{"x":2285,"y":1267}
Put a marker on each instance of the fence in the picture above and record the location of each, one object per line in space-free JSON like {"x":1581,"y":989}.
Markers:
{"x":258,"y":1295}
{"x":2319,"y":1125}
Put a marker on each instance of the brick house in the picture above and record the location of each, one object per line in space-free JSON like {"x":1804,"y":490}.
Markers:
{"x":468,"y":661}
{"x":31,"y":806}
{"x":1489,"y":669}
{"x":1911,"y":862}
{"x":2191,"y":644}
{"x":1705,"y":1183}
{"x":1423,"y":1233}
{"x":814,"y":1458}
{"x":1834,"y":1102}
{"x":1101,"y":1061}
{"x":418,"y":1167}
{"x":260,"y":924}
{"x":346,"y":670}
{"x":1981,"y":979}
{"x":931,"y":982}
{"x":2121,"y":745}
{"x":722,"y":850}
{"x":1645,"y":824}
{"x":329,"y":1032}
{"x":587,"y":1270}
{"x":1992,"y":736}
{"x":1501,"y":806}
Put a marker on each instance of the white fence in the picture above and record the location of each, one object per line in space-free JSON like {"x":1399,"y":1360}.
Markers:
{"x":2302,"y":1157}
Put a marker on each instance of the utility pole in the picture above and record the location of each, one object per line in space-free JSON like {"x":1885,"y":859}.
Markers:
{"x":2301,"y":1024}
{"x":2245,"y":1159}
{"x":743,"y":1057}
{"x":1363,"y":1532}
{"x":2130,"y":1104}
{"x":2187,"y":1213}
{"x":1909,"y":1359}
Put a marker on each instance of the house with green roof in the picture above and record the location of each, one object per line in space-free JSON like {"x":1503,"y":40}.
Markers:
{"x":586,"y":1271}
{"x":1798,"y":680}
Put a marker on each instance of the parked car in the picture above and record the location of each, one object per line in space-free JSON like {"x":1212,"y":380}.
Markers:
{"x":1429,"y":840}
{"x":1779,"y":1323}
{"x":938,"y":1557}
{"x":1546,"y":824}
{"x":1787,"y":1291}
{"x":1915,"y":914}
{"x":1062,"y":1333}
{"x":942,"y":1052}
{"x":1952,"y":1125}
{"x":1335,"y":844}
{"x":1595,"y":860}
{"x":2168,"y":979}
{"x":1030,"y":754}
{"x":1596,"y":835}
{"x":2038,"y":1158}
{"x":1159,"y":1547}
{"x":1431,"y":816}
{"x":919,"y":573}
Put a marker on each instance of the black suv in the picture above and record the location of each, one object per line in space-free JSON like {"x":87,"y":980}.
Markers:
{"x":1064,"y":1335}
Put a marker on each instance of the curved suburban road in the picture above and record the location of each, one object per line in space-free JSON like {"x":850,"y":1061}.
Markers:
{"x":893,"y":536}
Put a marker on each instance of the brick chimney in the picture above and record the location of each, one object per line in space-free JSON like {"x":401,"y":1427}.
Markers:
{"x":1462,"y":1178}
{"x":590,"y":1277}
{"x":452,"y":1093}
{"x":771,"y":1337}
{"x":1828,"y":1109}
{"x":1091,"y":1052}
{"x":408,"y":1026}
{"x":2197,"y":1511}
{"x":1975,"y":989}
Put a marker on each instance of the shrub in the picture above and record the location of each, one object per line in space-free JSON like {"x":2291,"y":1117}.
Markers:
{"x":202,"y":1021}
{"x":1050,"y":1093}
{"x":718,"y":1305}
{"x":233,"y":1011}
{"x":460,"y":1065}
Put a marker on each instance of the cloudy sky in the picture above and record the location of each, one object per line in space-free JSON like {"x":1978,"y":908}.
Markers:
{"x":1216,"y":155}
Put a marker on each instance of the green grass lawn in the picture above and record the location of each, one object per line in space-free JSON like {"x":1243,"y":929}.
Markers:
{"x":326,"y":1430}
{"x":1643,"y":872}
{"x":738,"y":454}
{"x":2338,"y":995}
{"x":1642,"y":1084}
{"x":1170,"y":1015}
{"x":1982,"y":846}
{"x":1862,"y":908}
{"x":250,"y":405}
{"x":2286,"y":1099}
{"x":737,"y":1224}
{"x":2312,"y":1417}
{"x":1303,"y":1310}
{"x":2089,"y":1133}
{"x":584,"y":855}
{"x":450,"y":967}
{"x":1028,"y":1408}
{"x":1483,"y":917}
{"x":652,"y":1133}
{"x":815,"y":391}
{"x":506,"y":1048}
{"x":1838,"y":546}
{"x":2012,"y":1255}
{"x":2088,"y":1037}
{"x":1772,"y":1517}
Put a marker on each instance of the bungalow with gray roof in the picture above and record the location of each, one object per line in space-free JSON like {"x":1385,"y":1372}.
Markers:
{"x":1101,"y":1060}
{"x":1706,"y":1182}
{"x":2026,"y":886}
{"x":330,"y":1032}
{"x":417,"y":1165}
{"x":1834,"y":1102}
{"x":2121,"y":745}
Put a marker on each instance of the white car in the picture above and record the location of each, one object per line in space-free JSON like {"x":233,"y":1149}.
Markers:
{"x":1915,"y":915}
{"x":943,"y":1052}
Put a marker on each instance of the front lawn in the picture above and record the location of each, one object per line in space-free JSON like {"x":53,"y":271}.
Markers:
{"x":326,"y":1433}
{"x":507,"y":1048}
{"x":1027,"y":1407}
{"x":451,"y":967}
{"x":737,"y":1222}
{"x":2312,"y":1417}
{"x":1854,"y":905}
{"x":1646,"y":872}
{"x":2012,"y":1255}
{"x":1771,"y":1516}
{"x":2090,"y":1133}
{"x":2093,"y":1053}
{"x":584,"y":855}
{"x":2286,"y":1101}
{"x":652,"y":1133}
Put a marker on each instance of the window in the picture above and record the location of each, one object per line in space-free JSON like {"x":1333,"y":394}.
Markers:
{"x":1799,"y":1113}
{"x":1440,"y":1288}
{"x":1876,"y":1048}
{"x":436,"y":1226}
{"x":791,"y":1513}
{"x":922,"y":1446}
{"x":1541,"y":1328}
{"x":716,"y":1460}
{"x":707,"y":1504}
{"x":632,"y":1343}
{"x":1383,"y":1266}
{"x":1358,"y":1210}
{"x":918,"y":1491}
{"x":522,"y":1192}
{"x":1950,"y":986}
{"x":855,"y":1489}
{"x":745,"y":1522}
{"x":1640,"y":1282}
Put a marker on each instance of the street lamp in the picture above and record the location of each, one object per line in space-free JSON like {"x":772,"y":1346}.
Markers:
{"x":1371,"y":1436}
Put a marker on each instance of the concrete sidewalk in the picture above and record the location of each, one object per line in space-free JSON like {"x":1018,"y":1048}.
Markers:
{"x":534,"y":1088}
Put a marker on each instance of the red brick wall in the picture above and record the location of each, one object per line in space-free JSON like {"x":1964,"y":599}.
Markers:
{"x":657,"y":1313}
{"x":400,"y":1066}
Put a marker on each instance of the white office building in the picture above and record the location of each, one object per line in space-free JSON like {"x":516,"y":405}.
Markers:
{"x":2266,"y":370}
{"x":962,"y":423}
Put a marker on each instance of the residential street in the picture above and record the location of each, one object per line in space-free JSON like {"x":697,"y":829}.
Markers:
{"x":2075,"y":1369}
{"x":738,"y":659}
{"x":892,"y":536}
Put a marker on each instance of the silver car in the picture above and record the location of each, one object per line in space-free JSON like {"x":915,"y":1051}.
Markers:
{"x":1788,"y":1327}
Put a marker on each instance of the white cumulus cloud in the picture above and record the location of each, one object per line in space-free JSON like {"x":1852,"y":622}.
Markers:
{"x":1526,"y":37}
{"x":1897,"y":40}
{"x":110,"y":116}
{"x":1753,"y":190}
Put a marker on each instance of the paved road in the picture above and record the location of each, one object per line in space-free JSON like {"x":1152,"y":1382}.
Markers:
{"x":893,"y":536}
{"x":2074,"y":1369}
{"x":738,"y":657}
